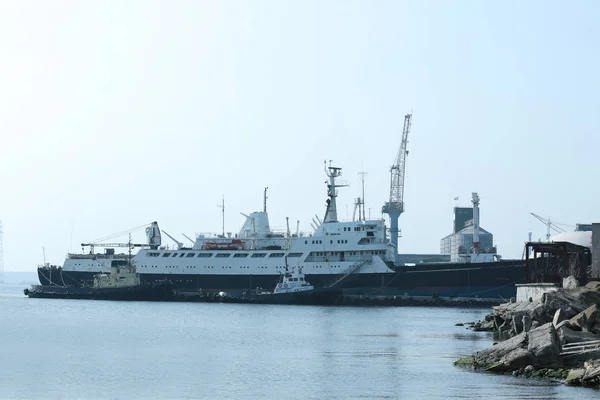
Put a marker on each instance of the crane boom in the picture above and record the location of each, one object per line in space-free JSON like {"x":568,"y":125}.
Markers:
{"x":395,"y":206}
{"x":398,"y":169}
{"x":177,"y":242}
{"x":549,"y":225}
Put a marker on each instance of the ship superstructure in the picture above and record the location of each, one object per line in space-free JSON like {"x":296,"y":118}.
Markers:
{"x":231,"y":262}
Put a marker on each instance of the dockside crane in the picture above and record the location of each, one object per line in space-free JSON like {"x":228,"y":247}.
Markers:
{"x":550,"y":225}
{"x":395,"y":206}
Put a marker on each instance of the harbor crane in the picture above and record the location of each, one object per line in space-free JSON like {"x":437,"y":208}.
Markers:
{"x":550,"y":225}
{"x":395,"y":206}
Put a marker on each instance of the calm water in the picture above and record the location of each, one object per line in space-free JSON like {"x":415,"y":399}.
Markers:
{"x":67,"y":349}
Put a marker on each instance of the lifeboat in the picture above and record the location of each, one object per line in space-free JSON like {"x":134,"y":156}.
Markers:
{"x":233,"y":244}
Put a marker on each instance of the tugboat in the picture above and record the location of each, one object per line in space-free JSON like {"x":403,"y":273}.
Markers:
{"x":293,"y":288}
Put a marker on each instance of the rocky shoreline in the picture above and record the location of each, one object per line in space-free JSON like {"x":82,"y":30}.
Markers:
{"x":557,"y":337}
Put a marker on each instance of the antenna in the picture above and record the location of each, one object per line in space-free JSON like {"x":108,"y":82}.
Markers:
{"x":265,"y":201}
{"x":362,"y":179}
{"x":130,"y":246}
{"x":222,"y":207}
{"x":297,"y":227}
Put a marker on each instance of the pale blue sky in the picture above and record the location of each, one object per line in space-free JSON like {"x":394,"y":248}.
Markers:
{"x":117,"y":113}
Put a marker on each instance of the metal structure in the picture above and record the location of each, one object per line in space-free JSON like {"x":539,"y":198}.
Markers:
{"x":177,"y":242}
{"x":1,"y":256}
{"x":475,"y":200}
{"x":331,"y":212}
{"x":552,"y":262}
{"x":550,"y":225}
{"x":395,"y":206}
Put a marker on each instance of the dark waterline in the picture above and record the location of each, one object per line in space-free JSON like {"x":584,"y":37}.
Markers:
{"x":69,"y":349}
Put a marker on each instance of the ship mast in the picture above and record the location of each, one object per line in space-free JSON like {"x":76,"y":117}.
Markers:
{"x":222,"y":207}
{"x":331,"y":211}
{"x":265,"y":200}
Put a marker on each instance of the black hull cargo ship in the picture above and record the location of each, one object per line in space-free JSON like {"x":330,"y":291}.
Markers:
{"x":358,"y":256}
{"x":485,"y":280}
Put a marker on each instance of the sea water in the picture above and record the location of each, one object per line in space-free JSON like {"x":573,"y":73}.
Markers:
{"x":85,"y":349}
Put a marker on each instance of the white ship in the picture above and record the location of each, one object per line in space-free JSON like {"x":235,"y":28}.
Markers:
{"x":355,"y":251}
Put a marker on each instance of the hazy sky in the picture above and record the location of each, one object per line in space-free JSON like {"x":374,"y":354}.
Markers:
{"x":117,"y":113}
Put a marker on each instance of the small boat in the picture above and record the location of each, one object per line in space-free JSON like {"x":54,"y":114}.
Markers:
{"x":122,"y":283}
{"x":293,"y":288}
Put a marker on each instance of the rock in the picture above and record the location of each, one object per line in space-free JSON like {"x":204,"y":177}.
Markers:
{"x":517,"y":324}
{"x":559,"y":316}
{"x":592,"y":285}
{"x":570,"y":282}
{"x":526,"y":323}
{"x":574,"y":377}
{"x":567,"y":335}
{"x":529,"y":369}
{"x":591,"y":376}
{"x":483,"y":326}
{"x":539,"y":348}
{"x":544,"y":343}
{"x":579,"y":322}
{"x":587,"y":319}
{"x":459,"y":324}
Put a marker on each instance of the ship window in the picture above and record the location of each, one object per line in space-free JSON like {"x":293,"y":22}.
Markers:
{"x":276,"y":255}
{"x":295,"y":255}
{"x":306,"y":242}
{"x":223,"y":255}
{"x":205,"y":255}
{"x":151,"y":254}
{"x":166,"y":254}
{"x":174,"y":254}
{"x":190,"y":255}
{"x":259,"y":255}
{"x":182,"y":254}
{"x":240,"y":255}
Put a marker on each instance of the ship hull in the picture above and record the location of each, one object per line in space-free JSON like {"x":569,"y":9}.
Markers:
{"x":157,"y":291}
{"x":315,"y":297}
{"x":485,"y":280}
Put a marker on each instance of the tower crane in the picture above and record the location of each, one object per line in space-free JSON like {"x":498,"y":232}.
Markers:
{"x":395,"y":206}
{"x":550,"y":225}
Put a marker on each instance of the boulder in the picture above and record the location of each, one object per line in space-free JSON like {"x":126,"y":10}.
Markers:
{"x":517,"y":324}
{"x":570,"y":282}
{"x":588,"y":376}
{"x":574,"y":377}
{"x":567,"y":335}
{"x":592,"y":285}
{"x":544,"y":343}
{"x":526,"y":323}
{"x":587,"y":319}
{"x":559,"y":316}
{"x":483,"y":326}
{"x":539,"y":347}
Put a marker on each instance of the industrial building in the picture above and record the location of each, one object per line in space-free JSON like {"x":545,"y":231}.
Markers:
{"x":469,"y":242}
